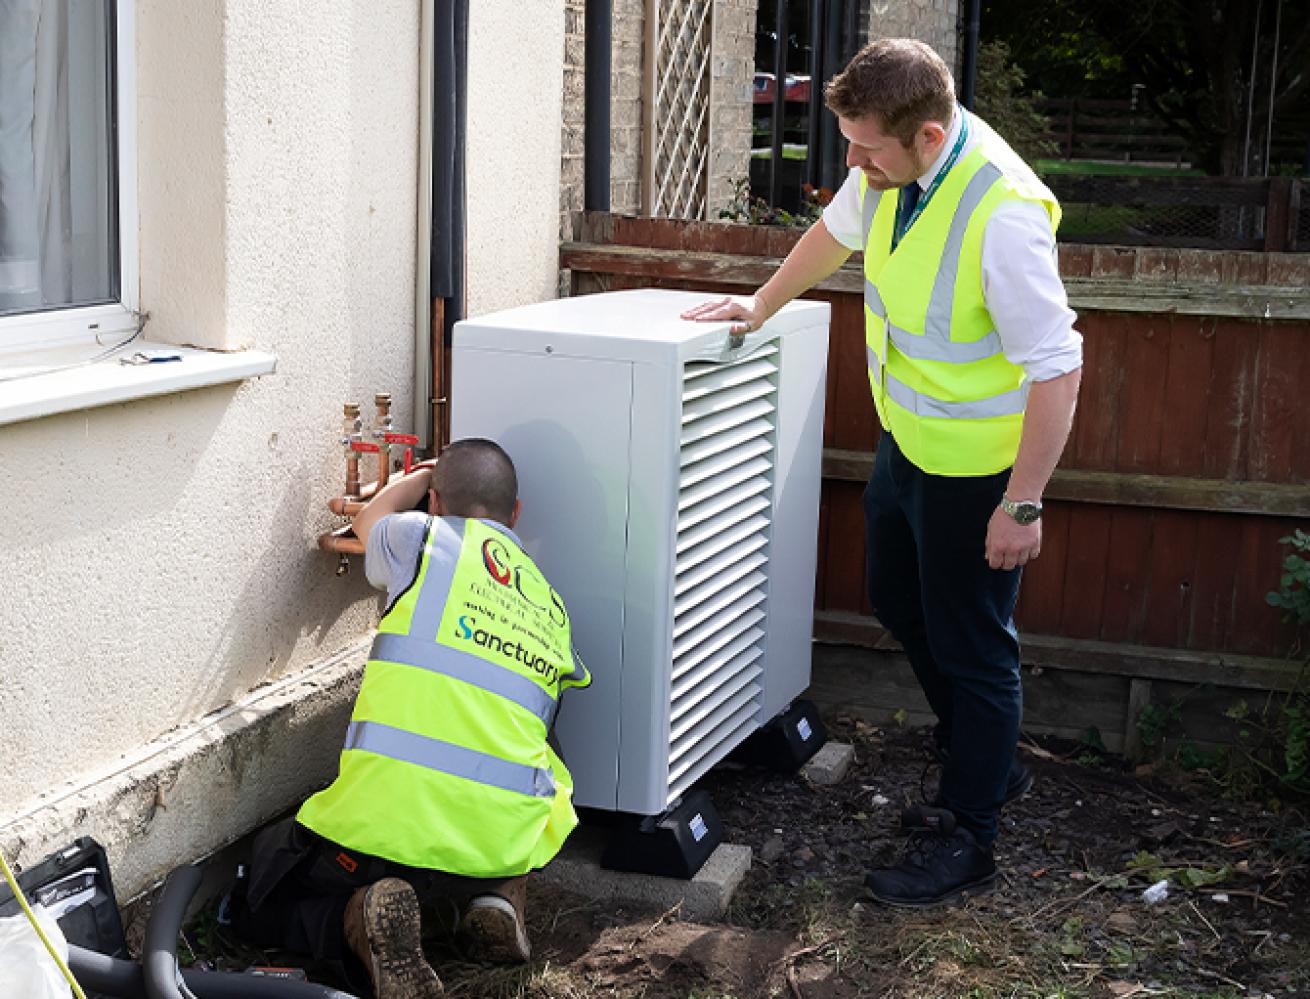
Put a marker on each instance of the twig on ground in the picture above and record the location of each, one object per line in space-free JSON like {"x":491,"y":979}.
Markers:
{"x":788,"y":962}
{"x":668,"y":914}
{"x":1207,"y":922}
{"x":1222,"y":978}
{"x":1255,"y":896}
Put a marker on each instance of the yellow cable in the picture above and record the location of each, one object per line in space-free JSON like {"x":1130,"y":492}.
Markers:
{"x":36,"y":925}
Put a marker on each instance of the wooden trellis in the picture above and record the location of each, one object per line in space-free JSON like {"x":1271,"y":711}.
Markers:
{"x":675,"y":161}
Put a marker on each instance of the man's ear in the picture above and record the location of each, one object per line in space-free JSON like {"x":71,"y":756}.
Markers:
{"x":434,"y":503}
{"x":932,"y":135}
{"x":514,"y":514}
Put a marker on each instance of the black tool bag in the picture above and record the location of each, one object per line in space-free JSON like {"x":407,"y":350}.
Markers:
{"x":75,"y":885}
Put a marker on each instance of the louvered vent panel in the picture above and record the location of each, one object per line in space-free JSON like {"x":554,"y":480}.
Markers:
{"x":721,"y":586}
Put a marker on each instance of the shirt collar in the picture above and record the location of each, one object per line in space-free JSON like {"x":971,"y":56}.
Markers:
{"x":953,"y":133}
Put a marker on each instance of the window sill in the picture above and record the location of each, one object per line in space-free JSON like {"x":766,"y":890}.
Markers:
{"x":110,"y":381}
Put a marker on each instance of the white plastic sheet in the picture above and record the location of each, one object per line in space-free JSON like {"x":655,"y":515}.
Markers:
{"x":25,"y":966}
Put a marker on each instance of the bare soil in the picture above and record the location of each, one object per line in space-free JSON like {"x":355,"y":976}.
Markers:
{"x":1066,"y":919}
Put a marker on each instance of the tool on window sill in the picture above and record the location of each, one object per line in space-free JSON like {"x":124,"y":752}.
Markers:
{"x":151,"y":357}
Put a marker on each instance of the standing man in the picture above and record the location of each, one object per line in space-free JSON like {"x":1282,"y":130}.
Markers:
{"x":448,"y":787}
{"x":974,"y":366}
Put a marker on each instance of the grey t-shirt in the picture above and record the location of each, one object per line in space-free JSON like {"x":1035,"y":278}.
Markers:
{"x":395,"y":545}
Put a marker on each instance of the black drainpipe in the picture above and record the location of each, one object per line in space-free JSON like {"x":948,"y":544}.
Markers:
{"x":969,"y":69}
{"x":596,"y":116}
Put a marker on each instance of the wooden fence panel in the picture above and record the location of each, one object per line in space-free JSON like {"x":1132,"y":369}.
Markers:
{"x":1189,"y":457}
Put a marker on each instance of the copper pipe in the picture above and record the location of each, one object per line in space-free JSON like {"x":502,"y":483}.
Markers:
{"x":342,"y":540}
{"x":439,"y":436}
{"x":353,"y":428}
{"x":347,"y":506}
{"x":383,"y":402}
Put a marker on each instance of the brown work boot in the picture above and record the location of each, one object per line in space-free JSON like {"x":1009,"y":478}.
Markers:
{"x":382,"y":928}
{"x":492,"y":926}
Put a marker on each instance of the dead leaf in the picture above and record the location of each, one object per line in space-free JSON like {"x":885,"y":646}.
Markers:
{"x":1122,"y":990}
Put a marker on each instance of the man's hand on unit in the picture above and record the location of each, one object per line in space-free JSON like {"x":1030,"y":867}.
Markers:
{"x":749,"y":317}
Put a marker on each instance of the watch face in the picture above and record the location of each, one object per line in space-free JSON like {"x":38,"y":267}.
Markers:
{"x":1026,"y":513}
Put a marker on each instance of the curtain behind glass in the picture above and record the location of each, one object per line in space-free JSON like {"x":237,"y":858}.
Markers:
{"x":58,"y":199}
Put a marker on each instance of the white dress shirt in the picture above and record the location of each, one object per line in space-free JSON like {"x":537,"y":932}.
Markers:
{"x":1020,"y":277}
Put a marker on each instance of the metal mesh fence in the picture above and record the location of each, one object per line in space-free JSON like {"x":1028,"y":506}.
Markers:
{"x":1207,"y":212}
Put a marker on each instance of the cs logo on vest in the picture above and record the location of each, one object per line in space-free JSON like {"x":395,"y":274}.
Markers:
{"x":498,"y":558}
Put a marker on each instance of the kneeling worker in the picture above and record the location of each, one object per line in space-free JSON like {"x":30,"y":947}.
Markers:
{"x":447,"y":786}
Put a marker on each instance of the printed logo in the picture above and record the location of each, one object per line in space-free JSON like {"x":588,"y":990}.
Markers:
{"x":468,"y":630}
{"x":495,"y":556}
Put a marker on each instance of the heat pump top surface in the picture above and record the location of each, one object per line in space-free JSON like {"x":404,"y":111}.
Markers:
{"x":669,"y":475}
{"x":638,"y":325}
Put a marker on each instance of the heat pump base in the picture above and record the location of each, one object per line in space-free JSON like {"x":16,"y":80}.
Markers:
{"x":785,"y":744}
{"x":672,"y":845}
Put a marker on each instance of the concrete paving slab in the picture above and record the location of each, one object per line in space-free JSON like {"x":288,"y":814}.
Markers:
{"x":829,"y":765}
{"x":705,"y":897}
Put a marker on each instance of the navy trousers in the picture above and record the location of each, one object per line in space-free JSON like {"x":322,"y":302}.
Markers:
{"x":931,"y":587}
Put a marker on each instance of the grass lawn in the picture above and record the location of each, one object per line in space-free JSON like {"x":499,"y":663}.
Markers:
{"x":1106,"y":168}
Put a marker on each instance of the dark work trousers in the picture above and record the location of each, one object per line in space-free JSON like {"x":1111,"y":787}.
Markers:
{"x":931,"y":586}
{"x":299,"y":885}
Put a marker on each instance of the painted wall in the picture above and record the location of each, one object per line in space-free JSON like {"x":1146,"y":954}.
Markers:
{"x":515,"y":82}
{"x":160,"y":555}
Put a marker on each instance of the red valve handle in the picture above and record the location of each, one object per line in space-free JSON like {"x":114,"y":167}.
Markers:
{"x":364,"y":446}
{"x":400,"y":438}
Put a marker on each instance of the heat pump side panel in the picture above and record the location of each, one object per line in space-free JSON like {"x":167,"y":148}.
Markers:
{"x":648,"y":615}
{"x":794,"y":545}
{"x":565,"y":423}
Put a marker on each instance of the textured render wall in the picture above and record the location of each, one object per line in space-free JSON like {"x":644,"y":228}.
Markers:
{"x":160,"y":558}
{"x":931,"y":21}
{"x":732,"y":70}
{"x":515,"y":73}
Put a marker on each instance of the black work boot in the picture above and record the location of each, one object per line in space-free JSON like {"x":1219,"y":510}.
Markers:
{"x":1018,"y":782}
{"x":941,"y":861}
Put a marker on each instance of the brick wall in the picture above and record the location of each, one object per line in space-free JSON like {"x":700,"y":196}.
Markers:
{"x":732,"y":70}
{"x":931,"y":21}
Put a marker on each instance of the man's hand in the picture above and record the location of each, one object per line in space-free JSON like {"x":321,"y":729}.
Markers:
{"x":751,"y":316}
{"x":1010,"y":543}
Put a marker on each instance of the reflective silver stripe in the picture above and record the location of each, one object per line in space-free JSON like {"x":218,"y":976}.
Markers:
{"x":926,"y":348}
{"x":870,"y":207}
{"x":937,"y":323}
{"x":874,"y":365}
{"x":426,"y":619}
{"x":579,"y":668}
{"x":467,"y":668}
{"x":874,"y":300}
{"x":1006,"y":404}
{"x":447,"y":758}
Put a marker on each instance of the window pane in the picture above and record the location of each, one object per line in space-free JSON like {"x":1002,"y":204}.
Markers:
{"x":58,"y":189}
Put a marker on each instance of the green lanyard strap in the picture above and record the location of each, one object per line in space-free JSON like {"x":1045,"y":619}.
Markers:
{"x":906,"y":219}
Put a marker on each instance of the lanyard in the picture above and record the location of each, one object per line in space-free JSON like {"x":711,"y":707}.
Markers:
{"x":903,"y":223}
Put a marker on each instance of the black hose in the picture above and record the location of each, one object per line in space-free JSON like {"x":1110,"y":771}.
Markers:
{"x":159,"y":952}
{"x":125,"y":980}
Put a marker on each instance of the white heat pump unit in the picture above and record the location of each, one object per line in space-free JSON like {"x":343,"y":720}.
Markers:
{"x":670,"y":487}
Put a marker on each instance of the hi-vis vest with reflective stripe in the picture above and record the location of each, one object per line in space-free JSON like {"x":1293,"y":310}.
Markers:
{"x":942,"y":387}
{"x":446,"y":765}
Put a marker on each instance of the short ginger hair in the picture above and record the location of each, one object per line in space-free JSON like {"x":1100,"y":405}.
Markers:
{"x":900,"y":81}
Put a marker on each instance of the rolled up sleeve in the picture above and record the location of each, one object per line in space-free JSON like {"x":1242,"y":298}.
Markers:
{"x":1024,"y":293}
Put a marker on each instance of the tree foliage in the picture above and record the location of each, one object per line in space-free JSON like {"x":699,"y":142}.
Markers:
{"x":1003,"y":103}
{"x":1205,"y":65}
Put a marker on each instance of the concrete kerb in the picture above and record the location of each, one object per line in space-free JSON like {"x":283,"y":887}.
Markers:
{"x":704,"y":898}
{"x":829,"y":765}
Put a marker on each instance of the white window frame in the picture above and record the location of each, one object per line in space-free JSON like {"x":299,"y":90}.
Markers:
{"x":100,"y":325}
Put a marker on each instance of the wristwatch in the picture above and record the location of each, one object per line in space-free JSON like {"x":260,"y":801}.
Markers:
{"x":1023,"y":511}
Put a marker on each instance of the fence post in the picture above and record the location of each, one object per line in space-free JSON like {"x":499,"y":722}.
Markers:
{"x":1068,"y":135}
{"x":1279,"y":216}
{"x":1294,"y":214}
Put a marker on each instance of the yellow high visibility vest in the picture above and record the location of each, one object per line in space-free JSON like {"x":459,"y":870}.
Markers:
{"x":941,"y":384}
{"x":446,"y":765}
